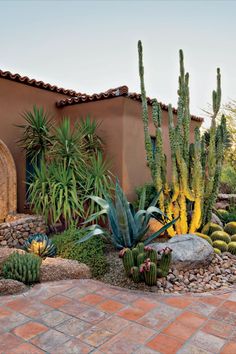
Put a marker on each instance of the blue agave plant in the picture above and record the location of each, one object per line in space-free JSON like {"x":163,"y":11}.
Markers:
{"x":127,"y":226}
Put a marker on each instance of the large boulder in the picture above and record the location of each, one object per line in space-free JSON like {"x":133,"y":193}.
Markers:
{"x":60,"y":269}
{"x":5,"y":252}
{"x":10,"y":287}
{"x":188,"y":251}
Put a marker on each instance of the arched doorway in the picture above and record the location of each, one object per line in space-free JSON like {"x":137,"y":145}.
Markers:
{"x":7,"y":182}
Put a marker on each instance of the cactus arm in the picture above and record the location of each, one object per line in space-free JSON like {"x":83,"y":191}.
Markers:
{"x":147,"y":138}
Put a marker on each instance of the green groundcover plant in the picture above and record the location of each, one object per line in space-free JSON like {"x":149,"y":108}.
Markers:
{"x":90,"y":252}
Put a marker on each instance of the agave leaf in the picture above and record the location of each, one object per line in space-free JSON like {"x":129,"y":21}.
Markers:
{"x":122,"y":219}
{"x":94,"y":230}
{"x":155,"y":199}
{"x":159,"y":232}
{"x":100,"y":201}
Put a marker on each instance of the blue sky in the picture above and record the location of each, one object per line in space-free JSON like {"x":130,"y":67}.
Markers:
{"x":91,"y":46}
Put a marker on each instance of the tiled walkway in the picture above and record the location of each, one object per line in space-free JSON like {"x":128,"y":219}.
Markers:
{"x":86,"y":316}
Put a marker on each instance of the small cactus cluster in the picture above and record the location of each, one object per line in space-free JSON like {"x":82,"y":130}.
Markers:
{"x":211,"y":227}
{"x":22,"y":267}
{"x":141,"y":263}
{"x":205,"y":237}
{"x":221,"y":245}
{"x":40,"y":245}
{"x":232,"y":248}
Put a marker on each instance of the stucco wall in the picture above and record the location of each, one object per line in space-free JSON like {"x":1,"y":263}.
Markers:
{"x":121,"y":128}
{"x":16,"y":98}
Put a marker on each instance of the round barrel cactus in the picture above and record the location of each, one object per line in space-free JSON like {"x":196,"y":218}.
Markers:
{"x":40,"y":245}
{"x":233,"y":238}
{"x":220,"y":235}
{"x":221,"y":245}
{"x":205,"y":237}
{"x":232,"y":248}
{"x":217,"y":251}
{"x":230,"y":228}
{"x":210,"y":227}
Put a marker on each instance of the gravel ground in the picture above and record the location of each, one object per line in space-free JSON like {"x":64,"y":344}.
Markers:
{"x":221,"y":273}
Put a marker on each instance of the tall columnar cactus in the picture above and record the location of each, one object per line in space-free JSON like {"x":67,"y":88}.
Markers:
{"x":196,"y":167}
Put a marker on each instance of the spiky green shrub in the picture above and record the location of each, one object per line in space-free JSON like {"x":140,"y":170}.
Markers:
{"x":230,"y":228}
{"x":232,"y":248}
{"x":217,"y":250}
{"x":210,"y":227}
{"x":40,"y":245}
{"x":221,"y":245}
{"x":233,"y":238}
{"x":196,"y":168}
{"x":22,"y":267}
{"x":90,"y":252}
{"x":205,"y":237}
{"x":127,"y":227}
{"x":220,"y":235}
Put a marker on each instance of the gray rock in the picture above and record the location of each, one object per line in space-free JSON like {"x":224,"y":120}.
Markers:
{"x":188,"y":251}
{"x":216,"y":220}
{"x":10,"y":287}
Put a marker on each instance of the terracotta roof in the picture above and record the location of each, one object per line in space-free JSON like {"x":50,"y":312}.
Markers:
{"x":39,"y":84}
{"x":112,"y":93}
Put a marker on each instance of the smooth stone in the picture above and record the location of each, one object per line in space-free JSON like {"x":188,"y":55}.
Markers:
{"x":188,"y":251}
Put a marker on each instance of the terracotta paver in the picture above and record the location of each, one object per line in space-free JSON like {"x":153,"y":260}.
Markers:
{"x":87,"y":316}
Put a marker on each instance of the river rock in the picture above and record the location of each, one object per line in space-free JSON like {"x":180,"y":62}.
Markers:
{"x":188,"y":251}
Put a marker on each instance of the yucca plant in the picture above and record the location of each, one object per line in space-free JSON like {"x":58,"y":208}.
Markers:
{"x":54,"y":193}
{"x":69,"y":147}
{"x":88,"y":128}
{"x":127,"y":226}
{"x":37,"y":138}
{"x":98,"y":182}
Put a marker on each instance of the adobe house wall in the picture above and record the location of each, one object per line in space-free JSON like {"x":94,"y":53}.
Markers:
{"x":16,"y":98}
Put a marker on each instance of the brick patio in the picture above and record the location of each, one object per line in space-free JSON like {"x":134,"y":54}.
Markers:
{"x":86,"y":316}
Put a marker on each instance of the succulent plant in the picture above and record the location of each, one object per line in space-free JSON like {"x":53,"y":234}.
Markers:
{"x":210,"y":227}
{"x":220,"y":235}
{"x":22,"y":267}
{"x":127,"y":227}
{"x":135,"y":274}
{"x":141,"y":258}
{"x":232,"y":248}
{"x":217,"y":251}
{"x":128,"y":260}
{"x":221,"y":245}
{"x":223,"y":215}
{"x":140,"y":247}
{"x":151,"y":253}
{"x":205,"y":237}
{"x":165,"y":261}
{"x":135,"y":253}
{"x":230,"y":228}
{"x":40,"y":245}
{"x":233,"y":238}
{"x":149,"y":270}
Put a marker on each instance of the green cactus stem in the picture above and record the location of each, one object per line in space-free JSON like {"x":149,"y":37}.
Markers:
{"x":165,"y":261}
{"x":135,"y":274}
{"x":141,"y":258}
{"x":128,"y":260}
{"x":135,"y":253}
{"x":151,"y":253}
{"x":149,"y":270}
